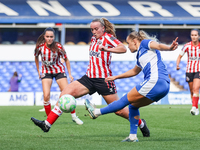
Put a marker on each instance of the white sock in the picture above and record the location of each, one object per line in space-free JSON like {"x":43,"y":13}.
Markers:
{"x":141,"y":125}
{"x":47,"y":123}
{"x":132,"y":136}
{"x":97,"y":111}
{"x":73,"y":115}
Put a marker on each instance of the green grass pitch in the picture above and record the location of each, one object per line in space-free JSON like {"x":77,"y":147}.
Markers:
{"x":171,"y":126}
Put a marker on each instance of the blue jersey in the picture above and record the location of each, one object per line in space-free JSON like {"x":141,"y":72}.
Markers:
{"x":156,"y":79}
{"x":150,"y":61}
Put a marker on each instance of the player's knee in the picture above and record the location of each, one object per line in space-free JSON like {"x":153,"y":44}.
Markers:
{"x":46,"y":98}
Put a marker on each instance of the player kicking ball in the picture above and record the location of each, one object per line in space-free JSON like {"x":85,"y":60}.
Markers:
{"x":155,"y":86}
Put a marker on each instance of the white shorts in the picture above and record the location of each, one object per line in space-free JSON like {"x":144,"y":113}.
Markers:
{"x":154,"y":90}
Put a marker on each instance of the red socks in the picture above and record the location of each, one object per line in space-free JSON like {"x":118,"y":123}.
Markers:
{"x":139,"y":123}
{"x":195,"y":101}
{"x":47,"y":107}
{"x":73,"y":111}
{"x":54,"y":114}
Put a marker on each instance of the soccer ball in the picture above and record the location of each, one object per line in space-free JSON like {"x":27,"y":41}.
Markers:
{"x":67,"y":103}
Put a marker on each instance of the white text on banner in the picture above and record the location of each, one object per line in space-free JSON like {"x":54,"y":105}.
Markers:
{"x":54,"y":96}
{"x":17,"y":99}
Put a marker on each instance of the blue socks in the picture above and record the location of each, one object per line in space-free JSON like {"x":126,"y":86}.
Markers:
{"x":120,"y":104}
{"x":115,"y":106}
{"x":133,"y":111}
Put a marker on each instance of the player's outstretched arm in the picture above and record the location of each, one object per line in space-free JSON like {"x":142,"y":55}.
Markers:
{"x":132,"y":72}
{"x":164,"y":47}
{"x":119,"y":49}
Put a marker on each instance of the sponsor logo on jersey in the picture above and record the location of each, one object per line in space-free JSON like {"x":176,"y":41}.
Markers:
{"x":194,"y":58}
{"x":48,"y":63}
{"x":113,"y":38}
{"x":96,"y":54}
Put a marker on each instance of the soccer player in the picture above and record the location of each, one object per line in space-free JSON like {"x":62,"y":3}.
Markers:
{"x":155,"y":86}
{"x":51,"y":52}
{"x":192,"y":49}
{"x":103,"y":43}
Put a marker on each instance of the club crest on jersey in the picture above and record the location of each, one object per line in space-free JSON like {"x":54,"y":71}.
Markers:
{"x":99,"y":42}
{"x":54,"y":55}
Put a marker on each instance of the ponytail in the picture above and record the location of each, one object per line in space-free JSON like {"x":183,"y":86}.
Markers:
{"x":109,"y":27}
{"x":141,"y":35}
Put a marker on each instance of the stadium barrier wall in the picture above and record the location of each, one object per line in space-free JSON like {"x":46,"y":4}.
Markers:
{"x":182,"y":97}
{"x":17,"y":98}
{"x":54,"y":96}
{"x":74,"y":53}
{"x":31,"y":98}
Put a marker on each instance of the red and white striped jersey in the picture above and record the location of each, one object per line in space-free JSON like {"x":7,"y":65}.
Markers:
{"x":99,"y":65}
{"x":51,"y":60}
{"x":193,"y":52}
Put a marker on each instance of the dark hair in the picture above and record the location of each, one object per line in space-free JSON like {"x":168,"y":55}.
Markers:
{"x":15,"y":74}
{"x":109,"y":27}
{"x":195,"y":30}
{"x":41,"y":40}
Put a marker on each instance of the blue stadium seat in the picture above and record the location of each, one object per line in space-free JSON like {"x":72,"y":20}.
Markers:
{"x":25,"y":85}
{"x":31,"y":82}
{"x":27,"y":89}
{"x":26,"y":74}
{"x":6,"y":63}
{"x":127,"y":80}
{"x":186,"y":86}
{"x":38,"y":89}
{"x":53,"y":88}
{"x":6,"y":85}
{"x":7,"y":75}
{"x":182,"y":81}
{"x":16,"y":63}
{"x":179,"y":75}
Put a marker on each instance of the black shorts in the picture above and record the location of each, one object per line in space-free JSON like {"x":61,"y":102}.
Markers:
{"x":191,"y":76}
{"x":51,"y":76}
{"x":98,"y":85}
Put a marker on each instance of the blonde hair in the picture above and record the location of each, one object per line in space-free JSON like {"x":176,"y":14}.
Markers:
{"x":109,"y":27}
{"x":141,"y":35}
